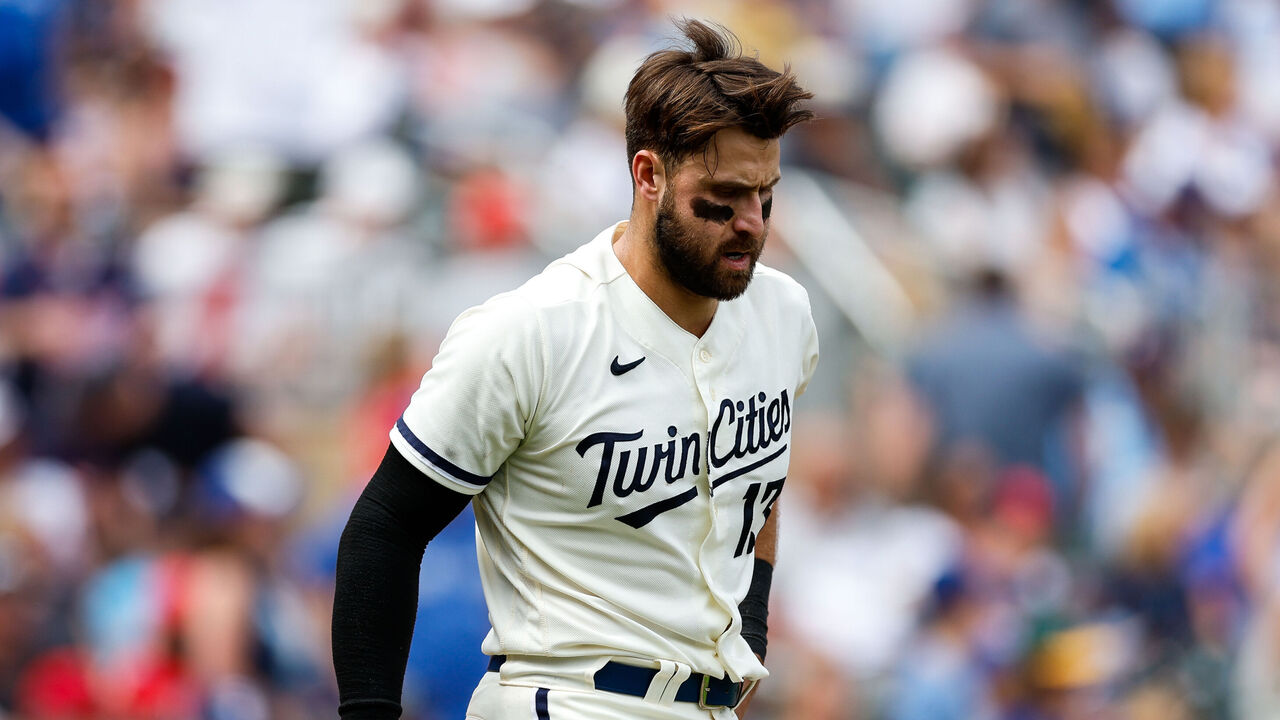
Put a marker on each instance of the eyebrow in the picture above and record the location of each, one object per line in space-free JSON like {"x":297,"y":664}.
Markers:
{"x":740,"y":186}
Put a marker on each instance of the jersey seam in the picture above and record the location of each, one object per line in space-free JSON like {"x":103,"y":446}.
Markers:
{"x":542,"y":389}
{"x":544,"y":354}
{"x":538,"y":311}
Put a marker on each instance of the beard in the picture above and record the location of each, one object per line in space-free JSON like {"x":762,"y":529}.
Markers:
{"x":694,"y":266}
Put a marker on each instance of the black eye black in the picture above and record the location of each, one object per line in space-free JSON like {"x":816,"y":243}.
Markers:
{"x":707,"y":210}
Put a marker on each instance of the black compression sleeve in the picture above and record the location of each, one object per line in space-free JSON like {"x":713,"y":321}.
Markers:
{"x":376,"y":588}
{"x":754,"y":608}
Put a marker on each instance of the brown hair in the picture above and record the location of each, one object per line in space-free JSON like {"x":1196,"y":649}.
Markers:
{"x":679,"y":99}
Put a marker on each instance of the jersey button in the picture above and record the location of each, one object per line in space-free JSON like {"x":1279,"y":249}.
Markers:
{"x":704,"y":355}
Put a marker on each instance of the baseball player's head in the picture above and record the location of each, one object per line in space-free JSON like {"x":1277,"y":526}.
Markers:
{"x":702,"y":134}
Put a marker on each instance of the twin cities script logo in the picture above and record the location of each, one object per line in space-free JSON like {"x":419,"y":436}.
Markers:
{"x":752,"y":431}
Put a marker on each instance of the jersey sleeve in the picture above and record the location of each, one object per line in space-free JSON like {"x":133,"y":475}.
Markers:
{"x":808,"y":346}
{"x":474,"y":405}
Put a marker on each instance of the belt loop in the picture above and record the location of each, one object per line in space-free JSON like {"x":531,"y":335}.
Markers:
{"x":666,"y":682}
{"x":673,"y":686}
{"x":658,"y":684}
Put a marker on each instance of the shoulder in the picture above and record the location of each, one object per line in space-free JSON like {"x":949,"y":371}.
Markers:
{"x":777,"y":289}
{"x":779,"y":306}
{"x":566,"y":283}
{"x":558,"y":284}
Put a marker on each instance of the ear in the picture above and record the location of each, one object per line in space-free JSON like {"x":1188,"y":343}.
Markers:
{"x":648,"y":174}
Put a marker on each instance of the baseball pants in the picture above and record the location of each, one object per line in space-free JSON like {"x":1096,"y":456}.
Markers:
{"x":495,"y":700}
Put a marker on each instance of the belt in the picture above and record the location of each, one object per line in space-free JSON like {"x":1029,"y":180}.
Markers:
{"x":705,"y":690}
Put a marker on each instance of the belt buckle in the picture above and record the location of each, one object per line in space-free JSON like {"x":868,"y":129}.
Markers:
{"x":702,"y":694}
{"x":744,"y":689}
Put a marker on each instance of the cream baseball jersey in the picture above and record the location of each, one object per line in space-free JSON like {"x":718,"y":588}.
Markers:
{"x":621,"y":466}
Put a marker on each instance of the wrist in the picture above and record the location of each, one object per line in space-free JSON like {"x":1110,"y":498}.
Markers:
{"x":369,"y":710}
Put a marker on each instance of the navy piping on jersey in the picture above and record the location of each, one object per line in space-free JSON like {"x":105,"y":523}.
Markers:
{"x":434,"y":458}
{"x":540,"y":704}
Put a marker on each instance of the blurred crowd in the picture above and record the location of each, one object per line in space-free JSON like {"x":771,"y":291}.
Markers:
{"x":233,"y":233}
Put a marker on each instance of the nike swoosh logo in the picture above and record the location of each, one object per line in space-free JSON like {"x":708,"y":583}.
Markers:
{"x":618,"y":368}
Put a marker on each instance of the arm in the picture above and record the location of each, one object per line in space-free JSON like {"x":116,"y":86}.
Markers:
{"x":767,"y":539}
{"x":755,"y":606}
{"x":376,"y":588}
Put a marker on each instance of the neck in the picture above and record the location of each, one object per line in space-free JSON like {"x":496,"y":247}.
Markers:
{"x":639,"y":257}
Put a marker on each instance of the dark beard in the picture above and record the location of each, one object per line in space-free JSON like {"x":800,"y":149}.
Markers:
{"x":684,"y":258}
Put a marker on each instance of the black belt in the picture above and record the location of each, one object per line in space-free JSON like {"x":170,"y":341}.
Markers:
{"x":705,"y":690}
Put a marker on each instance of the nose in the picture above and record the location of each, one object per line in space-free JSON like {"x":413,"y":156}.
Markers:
{"x":748,"y":217}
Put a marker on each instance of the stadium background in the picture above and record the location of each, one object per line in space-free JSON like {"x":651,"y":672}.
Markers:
{"x":1036,"y":476}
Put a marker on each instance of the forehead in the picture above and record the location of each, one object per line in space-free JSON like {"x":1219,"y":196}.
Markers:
{"x":735,"y":157}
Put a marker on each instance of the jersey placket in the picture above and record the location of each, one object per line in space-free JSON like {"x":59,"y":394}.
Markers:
{"x":709,"y":363}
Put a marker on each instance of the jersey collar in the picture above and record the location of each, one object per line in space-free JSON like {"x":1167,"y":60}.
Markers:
{"x":647,"y":324}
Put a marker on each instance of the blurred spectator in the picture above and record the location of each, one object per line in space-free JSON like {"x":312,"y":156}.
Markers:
{"x":989,"y":378}
{"x":67,"y":300}
{"x":1255,"y":527}
{"x":883,"y":28}
{"x":445,"y":661}
{"x":292,"y":75}
{"x":31,"y":39}
{"x":940,"y":679}
{"x":933,"y":105}
{"x":309,"y":311}
{"x":853,"y":506}
{"x":191,"y":266}
{"x":213,"y":627}
{"x":1200,"y":145}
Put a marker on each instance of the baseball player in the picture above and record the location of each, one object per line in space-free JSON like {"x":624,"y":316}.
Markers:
{"x":621,"y":424}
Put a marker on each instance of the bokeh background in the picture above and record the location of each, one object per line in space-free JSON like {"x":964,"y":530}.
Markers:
{"x":1036,"y":477}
